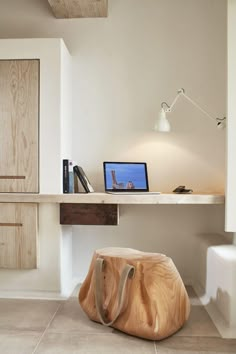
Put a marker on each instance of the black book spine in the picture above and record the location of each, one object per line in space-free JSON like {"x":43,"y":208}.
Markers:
{"x":81,"y":178}
{"x":65,"y":165}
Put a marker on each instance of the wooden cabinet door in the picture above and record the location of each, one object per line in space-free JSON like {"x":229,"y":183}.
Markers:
{"x":19,"y":120}
{"x":18,"y":235}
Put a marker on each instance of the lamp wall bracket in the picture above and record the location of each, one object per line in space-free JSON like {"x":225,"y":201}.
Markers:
{"x":181,"y":92}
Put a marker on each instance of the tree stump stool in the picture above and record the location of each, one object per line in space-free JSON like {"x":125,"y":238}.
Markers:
{"x":139,"y":293}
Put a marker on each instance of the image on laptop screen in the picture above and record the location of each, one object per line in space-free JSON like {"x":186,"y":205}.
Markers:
{"x":125,"y":176}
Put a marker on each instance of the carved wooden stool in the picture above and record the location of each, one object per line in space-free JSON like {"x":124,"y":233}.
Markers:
{"x":136,"y":292}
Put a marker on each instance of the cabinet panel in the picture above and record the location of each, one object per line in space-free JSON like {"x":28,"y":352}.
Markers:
{"x":19,"y":111}
{"x":18,"y":235}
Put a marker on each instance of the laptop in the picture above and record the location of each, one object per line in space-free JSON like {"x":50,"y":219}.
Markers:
{"x":126,"y":178}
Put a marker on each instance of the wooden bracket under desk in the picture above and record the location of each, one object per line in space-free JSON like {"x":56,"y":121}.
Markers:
{"x":88,"y":214}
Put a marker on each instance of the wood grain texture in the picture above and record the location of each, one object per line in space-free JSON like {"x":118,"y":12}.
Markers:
{"x":19,"y":110}
{"x":18,"y":237}
{"x":156,"y":305}
{"x":79,"y":8}
{"x":88,"y":214}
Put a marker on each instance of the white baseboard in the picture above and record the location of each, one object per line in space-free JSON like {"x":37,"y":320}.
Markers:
{"x":39,"y":295}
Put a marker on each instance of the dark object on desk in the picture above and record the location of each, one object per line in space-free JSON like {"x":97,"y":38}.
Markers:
{"x":182,"y":190}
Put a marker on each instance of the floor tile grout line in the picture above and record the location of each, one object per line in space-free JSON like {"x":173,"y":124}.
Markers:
{"x":42,"y":335}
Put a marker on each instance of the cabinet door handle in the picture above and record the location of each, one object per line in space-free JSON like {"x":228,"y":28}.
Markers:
{"x":10,"y":224}
{"x":12,"y":177}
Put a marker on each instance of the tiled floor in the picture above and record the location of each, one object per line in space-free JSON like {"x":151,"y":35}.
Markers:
{"x":57,"y":327}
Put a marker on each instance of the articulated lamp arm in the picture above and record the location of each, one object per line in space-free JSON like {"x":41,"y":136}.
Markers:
{"x":163,"y":125}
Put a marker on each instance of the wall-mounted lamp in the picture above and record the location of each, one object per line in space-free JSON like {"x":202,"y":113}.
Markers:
{"x":162,"y":124}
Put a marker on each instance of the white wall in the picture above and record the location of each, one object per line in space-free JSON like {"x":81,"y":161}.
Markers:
{"x":152,"y":228}
{"x":124,"y":66}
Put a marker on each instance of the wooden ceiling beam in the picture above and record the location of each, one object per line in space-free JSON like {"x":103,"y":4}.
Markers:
{"x":79,"y":8}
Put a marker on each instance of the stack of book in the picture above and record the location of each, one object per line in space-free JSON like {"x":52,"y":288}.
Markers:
{"x":72,"y":174}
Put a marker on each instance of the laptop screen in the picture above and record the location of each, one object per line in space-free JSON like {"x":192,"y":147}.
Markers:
{"x":125,"y":176}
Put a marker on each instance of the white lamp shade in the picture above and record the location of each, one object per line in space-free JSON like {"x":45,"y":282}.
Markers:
{"x":162,"y":124}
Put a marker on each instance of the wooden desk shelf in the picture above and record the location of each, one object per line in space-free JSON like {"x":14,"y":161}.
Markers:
{"x":104,"y":198}
{"x":102,"y":208}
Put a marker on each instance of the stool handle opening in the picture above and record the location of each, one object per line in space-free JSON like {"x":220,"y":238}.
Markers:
{"x":127,"y":272}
